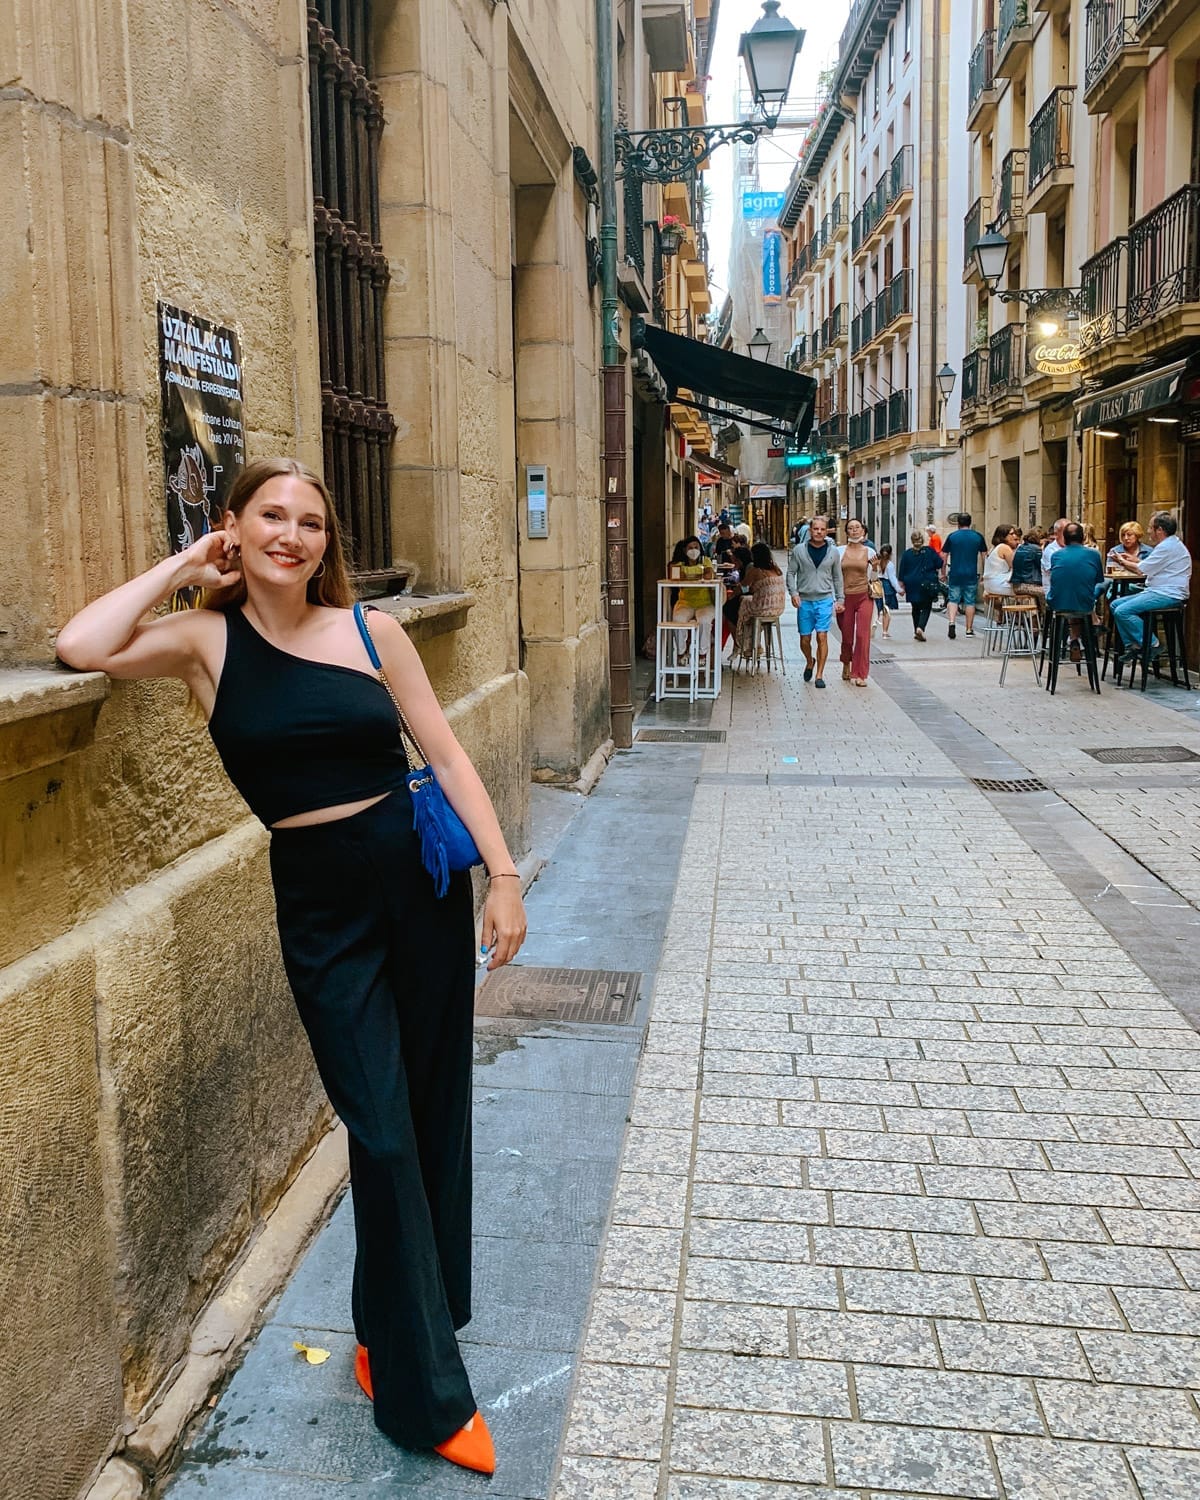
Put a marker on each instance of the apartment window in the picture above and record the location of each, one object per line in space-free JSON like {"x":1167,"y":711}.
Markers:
{"x":352,"y":276}
{"x":907,"y":27}
{"x":892,"y":57}
{"x":1195,"y":174}
{"x":875,"y":86}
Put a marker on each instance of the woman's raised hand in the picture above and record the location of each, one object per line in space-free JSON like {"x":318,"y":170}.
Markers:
{"x":210,"y":563}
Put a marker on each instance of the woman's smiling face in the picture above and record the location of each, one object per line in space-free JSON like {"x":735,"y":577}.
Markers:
{"x":281,"y":532}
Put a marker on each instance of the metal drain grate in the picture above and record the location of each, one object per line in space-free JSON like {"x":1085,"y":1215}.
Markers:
{"x":1143,"y":755}
{"x":882,"y":661}
{"x":681,"y":736}
{"x":1029,"y":784}
{"x":592,"y":995}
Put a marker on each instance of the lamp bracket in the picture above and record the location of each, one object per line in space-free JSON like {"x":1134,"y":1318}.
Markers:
{"x":678,"y":153}
{"x":1064,"y":299}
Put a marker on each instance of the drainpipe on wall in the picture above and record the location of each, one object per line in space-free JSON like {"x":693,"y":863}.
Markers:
{"x":615,"y":469}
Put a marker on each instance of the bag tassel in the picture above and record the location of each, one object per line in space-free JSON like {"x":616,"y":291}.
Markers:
{"x":433,"y":844}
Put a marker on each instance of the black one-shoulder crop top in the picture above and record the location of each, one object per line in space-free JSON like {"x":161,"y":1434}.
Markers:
{"x":295,"y":735}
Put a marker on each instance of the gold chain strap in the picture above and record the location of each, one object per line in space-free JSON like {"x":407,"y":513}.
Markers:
{"x":405,"y":727}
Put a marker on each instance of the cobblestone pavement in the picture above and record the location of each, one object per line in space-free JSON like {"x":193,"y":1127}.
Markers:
{"x":908,"y":1203}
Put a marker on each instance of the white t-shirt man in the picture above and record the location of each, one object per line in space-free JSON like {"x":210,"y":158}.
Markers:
{"x":1168,"y":569}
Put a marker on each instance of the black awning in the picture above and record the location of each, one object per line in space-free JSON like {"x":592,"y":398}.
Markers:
{"x":781,"y":398}
{"x":1127,"y":402}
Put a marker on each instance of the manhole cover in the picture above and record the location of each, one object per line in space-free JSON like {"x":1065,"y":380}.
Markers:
{"x":681,"y":736}
{"x":1030,"y":784}
{"x":1143,"y":755}
{"x":592,"y":995}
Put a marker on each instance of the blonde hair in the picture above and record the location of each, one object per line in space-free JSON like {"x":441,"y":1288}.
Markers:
{"x":331,"y":585}
{"x":1131,"y":526}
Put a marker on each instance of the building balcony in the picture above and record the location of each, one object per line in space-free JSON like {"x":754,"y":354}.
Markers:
{"x":900,"y":180}
{"x":974,"y":382}
{"x":839,"y":218}
{"x":891,"y":194}
{"x":821,"y":241}
{"x":835,"y":431}
{"x":1050,"y":173}
{"x":1006,"y":370}
{"x":1010,"y":202}
{"x":982,"y":92}
{"x":1114,"y":55}
{"x":1014,"y":36}
{"x":1158,"y":20}
{"x":862,"y":327}
{"x":879,"y":421}
{"x":858,"y":429}
{"x":1103,"y":282}
{"x":898,"y":413}
{"x":1052,"y":7}
{"x":836,"y":326}
{"x":974,"y":224}
{"x":1164,"y":266}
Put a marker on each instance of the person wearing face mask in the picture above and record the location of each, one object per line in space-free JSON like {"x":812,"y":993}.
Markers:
{"x":693,"y":603}
{"x":855,"y":614}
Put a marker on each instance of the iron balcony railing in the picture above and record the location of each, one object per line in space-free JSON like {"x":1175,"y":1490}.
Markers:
{"x":834,"y":429}
{"x":1004,"y":359}
{"x":897,"y":416}
{"x":981,"y":73}
{"x":835,"y":325}
{"x":796,"y":270}
{"x":799,"y":353}
{"x":635,"y":224}
{"x":899,"y":297}
{"x":823,"y":236}
{"x":859,"y":429}
{"x":1103,"y":281}
{"x":879,"y":421}
{"x":1111,"y":26}
{"x":862,"y":327}
{"x":900,"y":175}
{"x":1013,"y":13}
{"x":1146,"y":9}
{"x":974,"y":379}
{"x":1011,"y":202}
{"x":973,"y":226}
{"x":1050,"y":136}
{"x":1164,"y":257}
{"x":839,"y":213}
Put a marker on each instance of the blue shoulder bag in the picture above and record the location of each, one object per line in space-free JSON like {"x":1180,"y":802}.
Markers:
{"x":446,"y":843}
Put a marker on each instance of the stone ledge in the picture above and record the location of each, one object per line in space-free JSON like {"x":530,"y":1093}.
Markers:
{"x":427,"y":615}
{"x":29,"y":692}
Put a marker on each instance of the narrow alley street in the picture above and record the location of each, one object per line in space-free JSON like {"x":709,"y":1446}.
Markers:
{"x":907,"y":1202}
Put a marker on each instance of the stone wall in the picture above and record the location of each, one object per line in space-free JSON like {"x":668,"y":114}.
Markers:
{"x":156,"y":1094}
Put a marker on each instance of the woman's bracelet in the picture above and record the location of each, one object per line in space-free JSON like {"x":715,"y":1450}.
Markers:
{"x":505,"y":875}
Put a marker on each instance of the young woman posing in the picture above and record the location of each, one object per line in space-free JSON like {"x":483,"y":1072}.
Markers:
{"x":381,"y":968}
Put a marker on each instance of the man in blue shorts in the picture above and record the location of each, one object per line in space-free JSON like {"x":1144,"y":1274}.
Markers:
{"x":961,"y":552}
{"x":814,"y":581}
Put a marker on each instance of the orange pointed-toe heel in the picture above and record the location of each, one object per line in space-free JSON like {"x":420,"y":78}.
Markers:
{"x":362,"y":1372}
{"x":471,"y":1447}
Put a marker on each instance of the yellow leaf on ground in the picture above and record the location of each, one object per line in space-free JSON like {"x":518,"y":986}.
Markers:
{"x":312,"y":1355}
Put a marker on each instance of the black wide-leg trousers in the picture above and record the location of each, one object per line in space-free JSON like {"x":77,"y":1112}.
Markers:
{"x":383,"y":975}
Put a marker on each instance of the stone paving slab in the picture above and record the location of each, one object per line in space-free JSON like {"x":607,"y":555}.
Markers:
{"x":940,"y":1235}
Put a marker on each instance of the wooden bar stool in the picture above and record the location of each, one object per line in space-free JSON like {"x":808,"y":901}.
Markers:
{"x":1059,"y":633}
{"x":993,"y":612}
{"x":1020,"y":634}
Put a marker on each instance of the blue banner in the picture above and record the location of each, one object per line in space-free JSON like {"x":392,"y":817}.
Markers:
{"x":772,"y":267}
{"x":762,"y":205}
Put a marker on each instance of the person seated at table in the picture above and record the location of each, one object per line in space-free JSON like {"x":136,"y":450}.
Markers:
{"x":725,"y":541}
{"x":693,"y":603}
{"x":1167,"y":574}
{"x":1027,"y":569}
{"x":1130,"y":549}
{"x":997,"y":565}
{"x":1075,"y":570}
{"x":764,"y":596}
{"x":740,"y":562}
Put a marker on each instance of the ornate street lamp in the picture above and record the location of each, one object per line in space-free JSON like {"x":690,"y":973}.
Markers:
{"x":769,"y":50}
{"x":759,"y":346}
{"x":670,"y":235}
{"x":991,"y":257}
{"x":945,"y":379}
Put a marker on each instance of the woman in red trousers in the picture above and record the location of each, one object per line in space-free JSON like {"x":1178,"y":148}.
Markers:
{"x":857,"y":611}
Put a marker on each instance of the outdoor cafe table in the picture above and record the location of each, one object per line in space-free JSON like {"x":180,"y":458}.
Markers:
{"x":709,"y":684}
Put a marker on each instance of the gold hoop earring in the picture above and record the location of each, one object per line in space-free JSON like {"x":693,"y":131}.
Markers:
{"x":320,"y":573}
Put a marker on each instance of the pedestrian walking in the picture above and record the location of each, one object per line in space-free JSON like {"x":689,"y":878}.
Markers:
{"x":858,"y":608}
{"x":918,"y":573}
{"x":961,"y":552}
{"x":380,"y":964}
{"x":814,"y":583}
{"x":884,"y":588}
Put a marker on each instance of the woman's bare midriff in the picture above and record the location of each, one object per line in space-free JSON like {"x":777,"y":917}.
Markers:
{"x":329,"y":814}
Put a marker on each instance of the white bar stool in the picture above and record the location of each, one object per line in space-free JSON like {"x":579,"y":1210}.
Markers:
{"x":772,"y":642}
{"x":669,"y":672}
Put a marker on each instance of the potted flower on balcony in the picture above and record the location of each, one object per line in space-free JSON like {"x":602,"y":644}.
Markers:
{"x":671,"y":230}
